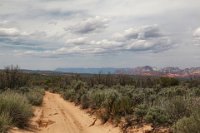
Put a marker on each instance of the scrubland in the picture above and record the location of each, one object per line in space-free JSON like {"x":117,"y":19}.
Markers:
{"x":125,"y":101}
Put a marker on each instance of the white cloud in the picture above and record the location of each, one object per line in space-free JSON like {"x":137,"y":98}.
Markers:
{"x":90,"y":25}
{"x":141,"y":39}
{"x":77,"y":41}
{"x":142,"y":32}
{"x":9,"y":32}
{"x":144,"y":38}
{"x":196,"y":36}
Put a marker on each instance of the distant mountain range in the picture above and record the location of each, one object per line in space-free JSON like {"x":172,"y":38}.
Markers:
{"x":143,"y":71}
{"x":105,"y":70}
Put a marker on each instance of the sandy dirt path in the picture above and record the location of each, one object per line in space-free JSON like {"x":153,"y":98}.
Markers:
{"x":59,"y":116}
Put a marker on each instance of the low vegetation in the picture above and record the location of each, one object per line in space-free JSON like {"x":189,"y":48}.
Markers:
{"x":15,"y":109}
{"x":188,"y":124}
{"x":35,"y":96}
{"x":16,"y":99}
{"x":5,"y":122}
{"x":171,"y":106}
{"x":126,"y":101}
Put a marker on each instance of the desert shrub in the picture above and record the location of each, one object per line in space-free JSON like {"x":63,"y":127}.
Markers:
{"x":140,"y":111}
{"x":78,"y":85}
{"x":177,"y":108}
{"x":23,"y":90}
{"x":180,"y":91}
{"x":103,"y":115}
{"x":17,"y":107}
{"x":5,"y":122}
{"x":171,"y":92}
{"x":35,"y":96}
{"x":156,"y":116}
{"x":188,"y":124}
{"x":79,"y":88}
{"x":137,"y":98}
{"x":121,"y":106}
{"x":197,"y":92}
{"x":55,"y":89}
{"x":110,"y":97}
{"x":167,"y":82}
{"x":84,"y":101}
{"x":97,"y":97}
{"x":69,"y":94}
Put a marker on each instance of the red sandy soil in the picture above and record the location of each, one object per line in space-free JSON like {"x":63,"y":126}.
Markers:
{"x":59,"y":116}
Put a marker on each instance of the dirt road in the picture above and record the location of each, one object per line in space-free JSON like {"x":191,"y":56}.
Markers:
{"x":59,"y":116}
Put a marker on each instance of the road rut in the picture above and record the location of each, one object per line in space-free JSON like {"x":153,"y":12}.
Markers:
{"x":59,"y":116}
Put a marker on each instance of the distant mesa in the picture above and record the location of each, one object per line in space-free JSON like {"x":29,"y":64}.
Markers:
{"x":143,"y":71}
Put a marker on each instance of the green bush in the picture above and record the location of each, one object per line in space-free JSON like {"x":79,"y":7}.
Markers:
{"x":35,"y":96}
{"x":84,"y":101}
{"x":197,"y":92}
{"x":69,"y":94}
{"x":177,"y":108}
{"x":157,"y":116}
{"x":97,"y":97}
{"x":137,"y":98}
{"x":121,"y":106}
{"x":140,"y":111}
{"x":17,"y":107}
{"x":5,"y":122}
{"x":110,"y":98}
{"x":167,"y":82}
{"x":54,"y":89}
{"x":188,"y":124}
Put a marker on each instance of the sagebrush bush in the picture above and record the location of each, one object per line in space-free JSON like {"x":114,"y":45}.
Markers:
{"x":55,"y":89}
{"x":121,"y":106}
{"x":177,"y":108}
{"x":17,"y":107}
{"x":188,"y":124}
{"x":163,"y":105}
{"x":84,"y":101}
{"x":137,"y":98}
{"x":140,"y":111}
{"x":5,"y":122}
{"x":69,"y":94}
{"x":97,"y":98}
{"x":35,"y":96}
{"x":157,"y":116}
{"x":197,"y":92}
{"x":111,"y":96}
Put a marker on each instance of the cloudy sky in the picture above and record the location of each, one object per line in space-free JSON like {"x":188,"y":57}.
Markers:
{"x":46,"y":34}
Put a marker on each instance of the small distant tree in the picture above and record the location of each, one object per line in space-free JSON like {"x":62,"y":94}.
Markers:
{"x":12,"y":77}
{"x":167,"y":82}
